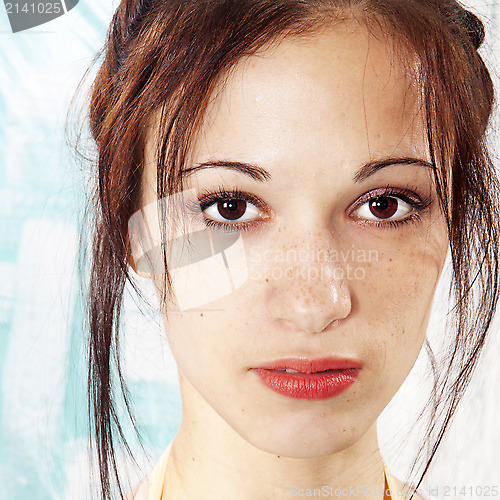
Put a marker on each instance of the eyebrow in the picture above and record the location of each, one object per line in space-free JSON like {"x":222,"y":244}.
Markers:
{"x":260,"y":174}
{"x":255,"y":172}
{"x":371,"y":167}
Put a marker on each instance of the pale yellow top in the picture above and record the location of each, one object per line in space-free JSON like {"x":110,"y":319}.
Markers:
{"x":151,"y":487}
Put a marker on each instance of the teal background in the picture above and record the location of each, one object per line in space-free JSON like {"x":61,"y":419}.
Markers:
{"x":43,"y":416}
{"x":43,"y":423}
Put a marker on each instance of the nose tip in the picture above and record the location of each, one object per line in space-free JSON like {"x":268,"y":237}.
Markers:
{"x":311,"y":305}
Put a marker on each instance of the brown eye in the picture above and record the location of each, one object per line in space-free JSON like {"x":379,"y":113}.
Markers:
{"x":384,"y":207}
{"x":232,"y":209}
{"x":229,"y":211}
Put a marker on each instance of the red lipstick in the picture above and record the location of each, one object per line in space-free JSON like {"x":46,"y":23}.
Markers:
{"x":302,"y":378}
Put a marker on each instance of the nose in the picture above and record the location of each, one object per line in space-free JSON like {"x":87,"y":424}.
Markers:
{"x":311,"y":293}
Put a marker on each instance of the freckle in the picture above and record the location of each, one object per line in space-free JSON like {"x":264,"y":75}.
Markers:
{"x":390,"y":259}
{"x":267,"y":281}
{"x":193,"y":459}
{"x":201,"y":315}
{"x":279,"y":456}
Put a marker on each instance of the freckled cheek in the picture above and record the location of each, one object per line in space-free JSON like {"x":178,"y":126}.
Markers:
{"x":201,"y":341}
{"x":397,"y":289}
{"x":393,"y":303}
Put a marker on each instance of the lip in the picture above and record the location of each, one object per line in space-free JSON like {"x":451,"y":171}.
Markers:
{"x":316,"y":378}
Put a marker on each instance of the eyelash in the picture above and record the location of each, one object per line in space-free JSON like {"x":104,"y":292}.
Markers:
{"x":408,"y":195}
{"x":209,"y":198}
{"x":417,"y":203}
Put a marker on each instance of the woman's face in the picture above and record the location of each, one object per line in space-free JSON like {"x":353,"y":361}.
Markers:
{"x":343,"y":244}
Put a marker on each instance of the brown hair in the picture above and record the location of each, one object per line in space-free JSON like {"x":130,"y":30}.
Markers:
{"x":166,"y":56}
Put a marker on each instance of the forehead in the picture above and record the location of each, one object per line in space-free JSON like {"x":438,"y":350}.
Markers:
{"x":344,"y":91}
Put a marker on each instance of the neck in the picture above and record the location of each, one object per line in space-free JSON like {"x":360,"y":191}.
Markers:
{"x":210,"y":460}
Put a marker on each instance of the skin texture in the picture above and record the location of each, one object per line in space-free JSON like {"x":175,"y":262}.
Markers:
{"x":311,"y":111}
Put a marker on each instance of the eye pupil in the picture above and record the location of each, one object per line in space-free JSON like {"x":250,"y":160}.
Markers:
{"x":384,"y":207}
{"x":232,"y":209}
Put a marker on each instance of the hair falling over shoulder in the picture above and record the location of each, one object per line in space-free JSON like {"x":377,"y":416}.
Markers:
{"x":164,"y":58}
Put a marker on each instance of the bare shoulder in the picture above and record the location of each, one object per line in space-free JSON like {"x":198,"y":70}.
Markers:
{"x":151,"y":486}
{"x":139,"y":492}
{"x":404,"y":491}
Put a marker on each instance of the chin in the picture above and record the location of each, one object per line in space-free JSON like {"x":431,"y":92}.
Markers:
{"x":306,"y":440}
{"x":298,"y":448}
